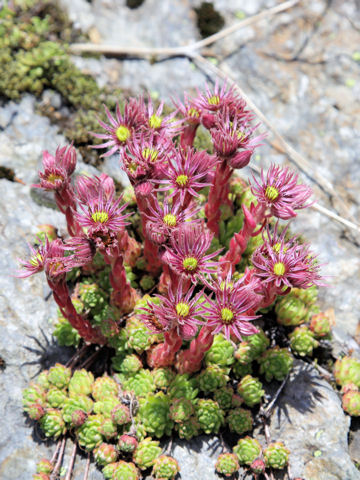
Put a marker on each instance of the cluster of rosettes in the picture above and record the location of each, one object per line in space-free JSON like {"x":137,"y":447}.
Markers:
{"x":347,"y":375}
{"x":298,"y":309}
{"x":98,"y":412}
{"x":249,"y":453}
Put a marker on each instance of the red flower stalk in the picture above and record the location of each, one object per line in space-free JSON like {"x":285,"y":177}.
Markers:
{"x":57,"y":177}
{"x":228,"y":137}
{"x":163,"y":354}
{"x":52,"y":258}
{"x":186,"y":174}
{"x":190,"y":360}
{"x":121,"y":129}
{"x":233,"y":307}
{"x":280,"y":193}
{"x":186,"y":254}
{"x":191,"y":120}
{"x":239,"y":242}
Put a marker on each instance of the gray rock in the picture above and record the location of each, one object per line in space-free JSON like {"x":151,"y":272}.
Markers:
{"x":309,"y":419}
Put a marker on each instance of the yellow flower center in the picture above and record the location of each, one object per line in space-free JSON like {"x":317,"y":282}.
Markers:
{"x":193,"y":113}
{"x":182,"y":180}
{"x":279,"y":268}
{"x":271,"y":193}
{"x":182,"y":309}
{"x":150,"y":154}
{"x":170,"y":220}
{"x":214,"y":100}
{"x":36,"y":260}
{"x":155,"y":121}
{"x":190,"y":264}
{"x":53,"y":177}
{"x":226,"y":315}
{"x":122,"y":133}
{"x":101,"y":217}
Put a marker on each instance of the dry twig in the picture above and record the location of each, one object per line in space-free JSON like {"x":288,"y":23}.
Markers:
{"x":187,"y":50}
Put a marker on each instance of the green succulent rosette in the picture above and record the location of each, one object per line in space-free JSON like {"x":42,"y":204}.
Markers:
{"x":251,"y":391}
{"x":188,"y":429}
{"x":52,"y":423}
{"x":247,"y":450}
{"x":224,"y":396}
{"x":146,"y":453}
{"x":59,"y":376}
{"x":105,"y":453}
{"x":291,"y":311}
{"x":154,"y":414}
{"x":239,"y":420}
{"x":104,"y":387}
{"x":276,"y":455}
{"x":89,"y":433}
{"x":212,"y":378}
{"x":209,"y":415}
{"x":81,"y":383}
{"x":55,"y":397}
{"x":165,"y":467}
{"x":302,"y":341}
{"x":220,"y":353}
{"x":181,"y":410}
{"x":183,"y":386}
{"x":141,"y":383}
{"x":75,"y":404}
{"x":347,"y":370}
{"x":275,"y":363}
{"x":162,"y":377}
{"x":125,"y":471}
{"x":227,"y":464}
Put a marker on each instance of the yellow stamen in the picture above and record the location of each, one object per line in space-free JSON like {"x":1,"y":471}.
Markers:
{"x":170,"y":220}
{"x":101,"y":217}
{"x":155,"y":121}
{"x":53,"y":177}
{"x":182,"y":309}
{"x":182,"y":180}
{"x":241,"y":135}
{"x":36,"y":260}
{"x":150,"y":154}
{"x":214,"y":100}
{"x":190,"y":264}
{"x":227,"y":315}
{"x":123,"y":133}
{"x":271,"y":193}
{"x":193,"y":113}
{"x":279,"y":268}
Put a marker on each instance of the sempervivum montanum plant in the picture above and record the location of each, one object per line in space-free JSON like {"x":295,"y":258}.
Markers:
{"x":209,"y":287}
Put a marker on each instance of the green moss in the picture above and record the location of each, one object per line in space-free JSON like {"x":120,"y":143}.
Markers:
{"x":34,"y":56}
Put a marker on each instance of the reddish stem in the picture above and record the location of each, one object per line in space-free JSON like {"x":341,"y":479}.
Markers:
{"x":190,"y":360}
{"x":123,"y":295}
{"x":81,"y":324}
{"x":163,"y":354}
{"x":218,"y":195}
{"x":239,"y":242}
